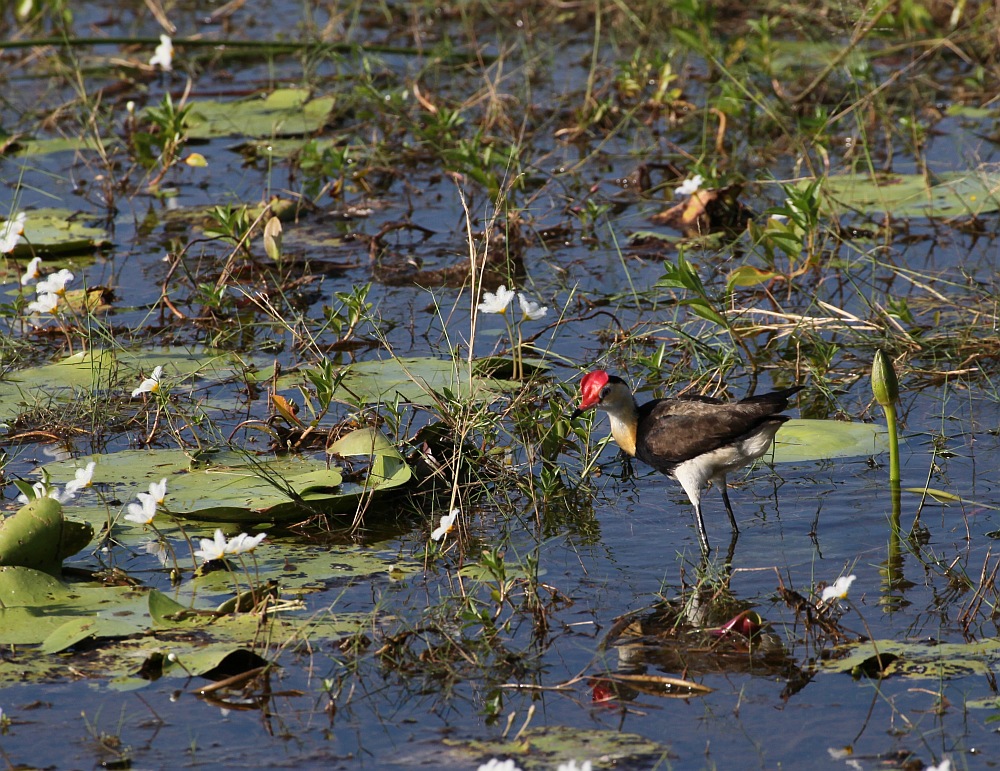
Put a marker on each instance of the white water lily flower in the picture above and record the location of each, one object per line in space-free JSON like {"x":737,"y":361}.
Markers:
{"x":158,"y":490}
{"x":572,"y":765}
{"x":446,"y":526}
{"x":944,"y":765}
{"x":68,"y":494}
{"x":84,"y":477}
{"x":150,"y":385}
{"x":496,"y":303}
{"x":243,"y":543}
{"x":164,"y":54}
{"x":32,"y":272}
{"x":158,"y":549}
{"x":39,"y":490}
{"x":212,"y":548}
{"x":690,"y":186}
{"x":46,"y":303}
{"x":839,"y":589}
{"x":11,"y":232}
{"x":532,"y":311}
{"x":498,"y":765}
{"x":55,"y":283}
{"x":42,"y":490}
{"x":143,"y":512}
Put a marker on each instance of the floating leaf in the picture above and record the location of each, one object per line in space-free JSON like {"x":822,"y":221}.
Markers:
{"x":78,"y":629}
{"x":950,"y":194}
{"x":219,"y":486}
{"x":163,"y":610}
{"x":207,"y":657}
{"x":284,"y":112}
{"x":29,"y":148}
{"x":35,"y":605}
{"x":388,"y":468}
{"x":26,"y":626}
{"x":544,"y":748}
{"x":101,"y":370}
{"x":415,"y":380}
{"x":802,"y":439}
{"x":32,"y":536}
{"x":918,"y":661}
{"x":58,"y":231}
{"x":75,"y":537}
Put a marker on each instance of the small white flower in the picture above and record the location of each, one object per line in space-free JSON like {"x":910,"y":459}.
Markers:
{"x":46,"y":303}
{"x":498,"y":765}
{"x":65,"y":496}
{"x":690,"y":186}
{"x":532,"y":311}
{"x":243,"y":542}
{"x":944,"y":765}
{"x":55,"y":283}
{"x":572,"y":765}
{"x":497,"y":303}
{"x":40,"y":490}
{"x":839,"y":589}
{"x":32,"y":272}
{"x":83,"y":478}
{"x":151,"y":384}
{"x":158,"y":490}
{"x":164,"y":54}
{"x":212,"y":548}
{"x":446,"y":526}
{"x":158,"y":549}
{"x":142,"y":513}
{"x":11,"y":232}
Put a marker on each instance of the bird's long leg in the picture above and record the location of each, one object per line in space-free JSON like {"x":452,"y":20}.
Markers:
{"x":734,"y":536}
{"x":702,"y":533}
{"x":721,"y":482}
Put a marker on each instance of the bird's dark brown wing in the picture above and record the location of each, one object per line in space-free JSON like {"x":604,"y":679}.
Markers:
{"x":672,"y":431}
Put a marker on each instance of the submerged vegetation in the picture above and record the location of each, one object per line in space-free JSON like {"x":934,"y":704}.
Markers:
{"x":295,"y":301}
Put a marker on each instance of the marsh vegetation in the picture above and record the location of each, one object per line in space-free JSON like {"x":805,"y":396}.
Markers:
{"x":312,"y":286}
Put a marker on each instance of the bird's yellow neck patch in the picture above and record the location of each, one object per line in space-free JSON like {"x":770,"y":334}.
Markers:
{"x":623,"y":429}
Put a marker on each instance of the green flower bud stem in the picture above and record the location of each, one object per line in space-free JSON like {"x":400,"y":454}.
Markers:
{"x":885,"y":388}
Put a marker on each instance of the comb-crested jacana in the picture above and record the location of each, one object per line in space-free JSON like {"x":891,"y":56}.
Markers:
{"x":694,"y":439}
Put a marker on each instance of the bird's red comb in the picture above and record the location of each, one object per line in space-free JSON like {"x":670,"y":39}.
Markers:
{"x":590,"y":388}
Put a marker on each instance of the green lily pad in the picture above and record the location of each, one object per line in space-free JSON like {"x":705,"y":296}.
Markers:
{"x":78,"y":629}
{"x":29,"y":148}
{"x":544,"y":748}
{"x":917,"y":661}
{"x":32,"y":536}
{"x":103,"y":370}
{"x":58,"y":231}
{"x":221,"y":486}
{"x":33,"y":605}
{"x":285,"y":112}
{"x":228,"y":486}
{"x":416,"y":380}
{"x":388,"y":468}
{"x":235,"y":488}
{"x":802,"y":439}
{"x":950,"y":194}
{"x":206,"y":657}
